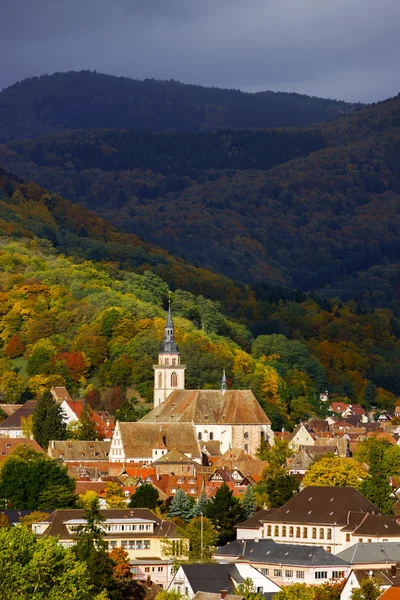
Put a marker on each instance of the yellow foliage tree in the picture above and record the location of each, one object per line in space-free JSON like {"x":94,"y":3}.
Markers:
{"x":334,"y":471}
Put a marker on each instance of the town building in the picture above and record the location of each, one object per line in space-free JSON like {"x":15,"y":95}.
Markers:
{"x":138,"y":531}
{"x":286,"y":564}
{"x":214,"y":578}
{"x":330,"y":517}
{"x":13,"y":426}
{"x":387,"y":578}
{"x":365,"y":555}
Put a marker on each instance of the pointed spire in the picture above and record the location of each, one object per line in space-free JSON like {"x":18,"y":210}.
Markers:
{"x":223,"y":382}
{"x":160,"y":444}
{"x":169,"y":343}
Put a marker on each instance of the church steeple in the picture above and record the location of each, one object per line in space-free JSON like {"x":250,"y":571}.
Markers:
{"x":223,"y":382}
{"x":169,"y":345}
{"x":169,"y":374}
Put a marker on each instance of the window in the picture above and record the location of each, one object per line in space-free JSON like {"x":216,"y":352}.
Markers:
{"x":329,"y":534}
{"x":299,"y":574}
{"x":124,"y":544}
{"x":148,"y":527}
{"x":160,"y":380}
{"x":264,"y":571}
{"x":131,"y":544}
{"x":160,"y":569}
{"x":337,"y":574}
{"x":199,"y":435}
{"x":173,"y":362}
{"x":321,"y":575}
{"x":283,"y":531}
{"x":246,"y":448}
{"x":174,"y":379}
{"x":211,"y":437}
{"x":167,"y":361}
{"x":369,"y":541}
{"x":291,"y":531}
{"x":297,"y":532}
{"x":260,"y":590}
{"x":305,"y":534}
{"x":321,"y":533}
{"x":186,"y":591}
{"x":276,"y":530}
{"x":277,"y":572}
{"x":36,"y":528}
{"x":147,"y":569}
{"x":289,"y":574}
{"x":246,"y":435}
{"x":360,"y":540}
{"x":139,"y":544}
{"x":134,"y":570}
{"x":314,"y":533}
{"x":180,"y":480}
{"x":329,"y":548}
{"x":147,"y":544}
{"x":269,"y":530}
{"x":347,"y":537}
{"x":113,"y":544}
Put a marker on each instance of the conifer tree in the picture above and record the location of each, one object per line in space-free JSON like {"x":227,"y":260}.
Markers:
{"x":201,"y":505}
{"x":181,"y":506}
{"x":369,"y":395}
{"x":48,"y":421}
{"x":249,"y":503}
{"x":87,"y":430}
{"x":225,"y":511}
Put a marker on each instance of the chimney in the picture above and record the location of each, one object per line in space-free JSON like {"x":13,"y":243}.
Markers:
{"x":223,"y":594}
{"x":148,"y":581}
{"x":256,"y":539}
{"x":393,"y":570}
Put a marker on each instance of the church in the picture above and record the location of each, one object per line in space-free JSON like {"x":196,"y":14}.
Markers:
{"x":227,"y":418}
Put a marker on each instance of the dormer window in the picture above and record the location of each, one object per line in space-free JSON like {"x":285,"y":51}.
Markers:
{"x":167,"y":361}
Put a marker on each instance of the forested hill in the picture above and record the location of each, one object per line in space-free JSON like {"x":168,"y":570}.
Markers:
{"x":96,"y":325}
{"x":81,"y":100}
{"x":312,"y":208}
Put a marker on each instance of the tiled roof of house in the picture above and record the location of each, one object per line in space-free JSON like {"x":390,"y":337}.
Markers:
{"x":378,"y":525}
{"x":7,"y":445}
{"x":174,"y":457}
{"x":392,"y":593}
{"x":211,"y":448}
{"x":192,"y":485}
{"x":269,"y":551}
{"x":384,"y":576}
{"x":60,"y":393}
{"x":14,"y":420}
{"x":256,"y":521}
{"x":104,"y":428}
{"x":9,"y":409}
{"x":139,"y":438}
{"x":367,"y":553}
{"x":81,"y":487}
{"x":77,"y":450}
{"x":209,"y":406}
{"x":215,"y":596}
{"x":301,"y":461}
{"x":212,"y":577}
{"x":323,"y":505}
{"x":58,"y":518}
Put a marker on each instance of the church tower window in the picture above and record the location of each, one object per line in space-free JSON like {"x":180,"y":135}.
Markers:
{"x":160,"y":380}
{"x":174,"y":379}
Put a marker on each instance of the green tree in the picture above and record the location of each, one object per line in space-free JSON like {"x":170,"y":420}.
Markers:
{"x":87,"y":430}
{"x":181,"y":506}
{"x":26,"y":476}
{"x":369,"y":397}
{"x":334,"y":471}
{"x":91,"y":548}
{"x":200,"y":507}
{"x":40,"y":358}
{"x":369,"y":589}
{"x":249,"y":502}
{"x":170,"y":595}
{"x":145,"y":496}
{"x":275,"y":488}
{"x":248,"y":590}
{"x":225,"y":511}
{"x":199,"y":538}
{"x":48,"y":421}
{"x":33,"y":517}
{"x":33,"y":569}
{"x":130,"y":411}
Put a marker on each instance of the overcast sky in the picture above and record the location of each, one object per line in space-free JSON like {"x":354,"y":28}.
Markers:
{"x":347,"y":49}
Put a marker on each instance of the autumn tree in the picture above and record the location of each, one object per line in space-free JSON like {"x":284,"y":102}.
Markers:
{"x":35,"y":516}
{"x":115,"y":497}
{"x":15,"y":347}
{"x":122,"y":568}
{"x":334,"y":471}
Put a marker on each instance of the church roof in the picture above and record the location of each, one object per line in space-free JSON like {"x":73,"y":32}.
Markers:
{"x":140,"y":438}
{"x":209,"y":406}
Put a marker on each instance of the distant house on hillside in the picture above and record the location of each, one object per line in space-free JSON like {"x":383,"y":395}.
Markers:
{"x":13,"y":426}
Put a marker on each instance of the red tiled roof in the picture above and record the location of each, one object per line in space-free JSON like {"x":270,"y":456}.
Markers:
{"x":103,"y":429}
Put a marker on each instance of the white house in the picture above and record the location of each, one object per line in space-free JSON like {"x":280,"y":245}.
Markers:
{"x":190,"y":579}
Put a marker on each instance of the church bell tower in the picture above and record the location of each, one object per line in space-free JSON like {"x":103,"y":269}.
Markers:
{"x":169,"y":374}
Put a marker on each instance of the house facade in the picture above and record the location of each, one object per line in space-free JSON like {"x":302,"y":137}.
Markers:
{"x":138,"y":531}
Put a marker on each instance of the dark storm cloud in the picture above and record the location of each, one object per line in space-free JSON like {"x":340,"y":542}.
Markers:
{"x":346,"y":49}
